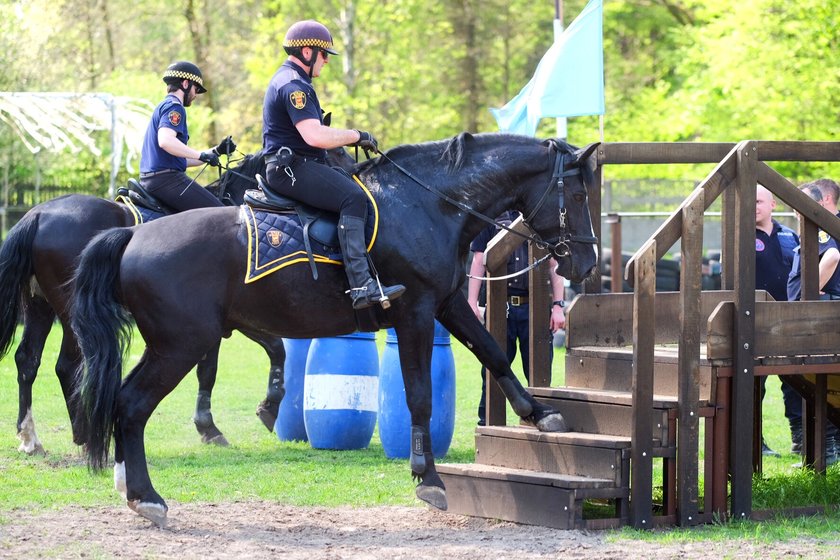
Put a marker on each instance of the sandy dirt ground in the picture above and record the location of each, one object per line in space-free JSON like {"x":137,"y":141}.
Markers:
{"x":270,"y":530}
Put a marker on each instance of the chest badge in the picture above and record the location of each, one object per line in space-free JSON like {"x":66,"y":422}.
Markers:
{"x":174,"y":118}
{"x":298,"y":99}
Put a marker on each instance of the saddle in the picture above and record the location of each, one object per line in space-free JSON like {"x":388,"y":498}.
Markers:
{"x":135,"y":195}
{"x":318,"y":225}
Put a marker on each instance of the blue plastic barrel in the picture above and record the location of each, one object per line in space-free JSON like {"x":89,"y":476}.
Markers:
{"x":394,"y":418}
{"x":339,"y":391}
{"x":289,"y":425}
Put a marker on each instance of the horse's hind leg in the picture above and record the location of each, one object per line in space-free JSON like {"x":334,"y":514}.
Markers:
{"x":206,"y":370}
{"x":150,"y":381}
{"x":269,"y":408}
{"x":69,"y":361}
{"x":37,"y":322}
{"x":457,"y":317}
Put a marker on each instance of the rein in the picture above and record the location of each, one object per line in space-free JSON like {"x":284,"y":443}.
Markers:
{"x":561,"y":248}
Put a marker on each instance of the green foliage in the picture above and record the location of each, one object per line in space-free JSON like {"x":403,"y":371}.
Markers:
{"x":416,"y":70}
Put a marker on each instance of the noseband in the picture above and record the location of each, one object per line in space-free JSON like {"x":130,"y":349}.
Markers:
{"x":560,"y":248}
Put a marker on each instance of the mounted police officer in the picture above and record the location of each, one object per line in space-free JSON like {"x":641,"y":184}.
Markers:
{"x":296,"y":138}
{"x":166,"y":156}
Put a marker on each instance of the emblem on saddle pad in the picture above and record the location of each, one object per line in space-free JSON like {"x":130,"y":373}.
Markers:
{"x":298,"y":99}
{"x":275,"y":237}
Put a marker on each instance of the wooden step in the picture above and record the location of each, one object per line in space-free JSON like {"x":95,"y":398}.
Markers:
{"x":611,"y":368}
{"x":549,"y":500}
{"x":521,"y":447}
{"x":603,"y":412}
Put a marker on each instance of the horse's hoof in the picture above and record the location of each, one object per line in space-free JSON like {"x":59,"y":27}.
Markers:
{"x":218,"y":439}
{"x":552,"y":423}
{"x":156,"y":513}
{"x":32,"y":448}
{"x":119,"y":480}
{"x":432,"y":495}
{"x":267,"y":417}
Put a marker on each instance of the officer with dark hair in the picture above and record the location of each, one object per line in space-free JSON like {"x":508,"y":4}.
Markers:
{"x":296,"y":139}
{"x":166,"y":156}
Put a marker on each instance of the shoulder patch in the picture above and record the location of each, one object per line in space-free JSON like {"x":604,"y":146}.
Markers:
{"x":298,"y":99}
{"x":174,"y":118}
{"x":822,"y":237}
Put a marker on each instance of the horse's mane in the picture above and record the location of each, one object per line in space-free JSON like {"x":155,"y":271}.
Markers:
{"x":453,"y":151}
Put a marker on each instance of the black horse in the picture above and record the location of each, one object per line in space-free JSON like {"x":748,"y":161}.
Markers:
{"x":431,"y":198}
{"x":37,"y":260}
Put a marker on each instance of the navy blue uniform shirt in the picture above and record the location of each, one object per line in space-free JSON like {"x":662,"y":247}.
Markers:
{"x":831,"y":288}
{"x":774,"y":259}
{"x":518,"y":260}
{"x":290,"y":98}
{"x":168,"y":114}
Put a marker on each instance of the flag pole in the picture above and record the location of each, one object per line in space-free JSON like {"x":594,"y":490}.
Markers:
{"x":562,"y":130}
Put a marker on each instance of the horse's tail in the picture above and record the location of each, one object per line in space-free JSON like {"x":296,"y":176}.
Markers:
{"x":15,"y":271}
{"x":103,"y":328}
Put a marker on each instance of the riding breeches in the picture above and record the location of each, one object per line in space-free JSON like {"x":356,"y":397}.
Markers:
{"x":178,"y":191}
{"x":319,"y":185}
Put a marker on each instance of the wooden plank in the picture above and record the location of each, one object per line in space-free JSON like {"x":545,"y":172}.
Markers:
{"x":609,"y":419}
{"x":606,"y":319}
{"x":662,"y":152}
{"x":741,"y":438}
{"x":689,"y":360}
{"x":503,"y":244}
{"x":541,"y":345}
{"x":495,"y":319}
{"x":592,"y":285}
{"x":782,"y":329}
{"x":551,"y":457}
{"x":795,"y":150}
{"x":641,"y":455}
{"x":809,"y":260}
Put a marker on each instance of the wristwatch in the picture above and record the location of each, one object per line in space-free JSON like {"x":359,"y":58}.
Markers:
{"x":559,"y":302}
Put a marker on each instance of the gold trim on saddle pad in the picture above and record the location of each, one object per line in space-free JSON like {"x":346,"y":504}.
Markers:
{"x":138,"y":217}
{"x":274,"y":237}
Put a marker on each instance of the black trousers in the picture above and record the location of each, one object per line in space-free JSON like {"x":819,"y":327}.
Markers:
{"x":319,"y":185}
{"x":178,"y":191}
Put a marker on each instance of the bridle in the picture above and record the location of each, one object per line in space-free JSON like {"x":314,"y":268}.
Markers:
{"x":559,"y":247}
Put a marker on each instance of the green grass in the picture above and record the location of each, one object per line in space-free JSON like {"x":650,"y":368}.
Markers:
{"x":258,"y":466}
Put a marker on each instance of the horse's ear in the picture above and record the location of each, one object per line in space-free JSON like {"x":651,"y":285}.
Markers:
{"x":583,"y":154}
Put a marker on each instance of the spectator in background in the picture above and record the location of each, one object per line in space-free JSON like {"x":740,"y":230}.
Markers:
{"x":518,"y":304}
{"x":825,"y":192}
{"x":774,"y":250}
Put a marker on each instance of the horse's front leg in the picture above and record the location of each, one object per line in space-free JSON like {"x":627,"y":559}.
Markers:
{"x":457,"y":317}
{"x":206,"y":370}
{"x":416,"y":365}
{"x":269,"y":408}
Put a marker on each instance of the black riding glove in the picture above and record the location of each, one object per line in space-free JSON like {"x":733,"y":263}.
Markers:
{"x":210,"y":158}
{"x":225,"y":147}
{"x":367,"y":141}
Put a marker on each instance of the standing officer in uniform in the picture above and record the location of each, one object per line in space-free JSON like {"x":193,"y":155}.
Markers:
{"x":774,"y":249}
{"x":517,"y":302}
{"x":166,"y":156}
{"x":296,"y":139}
{"x":823,"y":191}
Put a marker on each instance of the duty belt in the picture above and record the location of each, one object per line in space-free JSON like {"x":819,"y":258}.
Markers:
{"x":516,"y":301}
{"x":282,"y":156}
{"x":161,"y":172}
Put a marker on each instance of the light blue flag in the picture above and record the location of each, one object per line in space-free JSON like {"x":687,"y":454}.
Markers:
{"x":569,"y":80}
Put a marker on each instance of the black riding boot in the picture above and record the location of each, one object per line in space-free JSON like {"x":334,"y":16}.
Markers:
{"x":364,"y":290}
{"x":795,"y":435}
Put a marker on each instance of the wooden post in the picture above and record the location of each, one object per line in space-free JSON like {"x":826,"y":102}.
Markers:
{"x":616,"y":268}
{"x":644,"y":329}
{"x":541,"y":344}
{"x":744,"y":323}
{"x":689,"y":360}
{"x":592,"y":285}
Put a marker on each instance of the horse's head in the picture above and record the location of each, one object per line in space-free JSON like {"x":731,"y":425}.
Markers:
{"x":559,"y":210}
{"x":231,"y":187}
